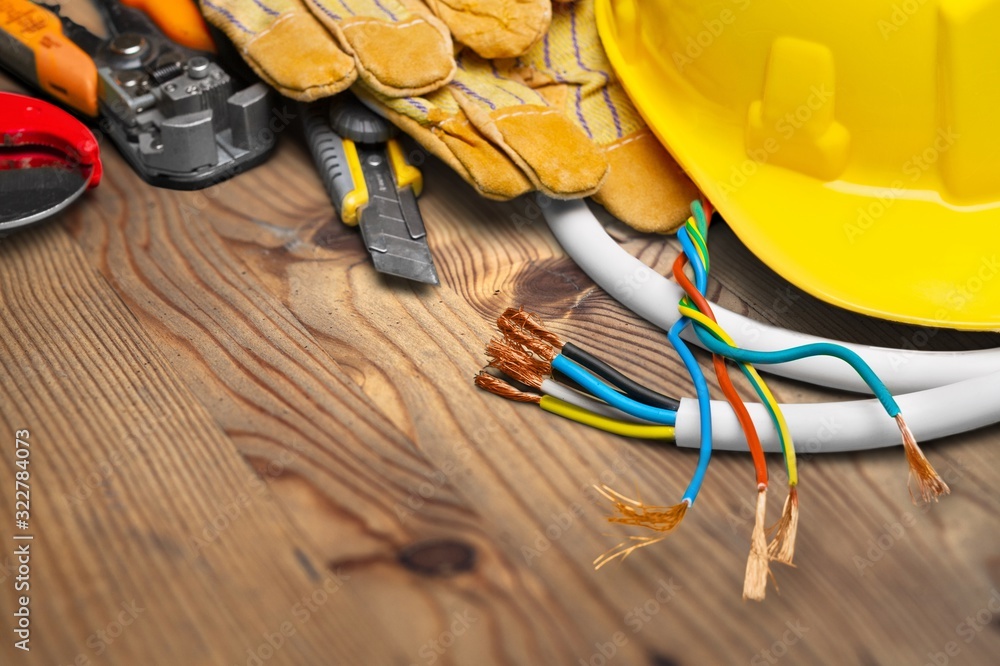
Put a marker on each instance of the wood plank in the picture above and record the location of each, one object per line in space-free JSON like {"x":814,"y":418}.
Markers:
{"x":153,"y":541}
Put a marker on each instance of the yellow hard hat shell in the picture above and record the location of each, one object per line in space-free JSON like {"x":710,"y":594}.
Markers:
{"x":854,"y":147}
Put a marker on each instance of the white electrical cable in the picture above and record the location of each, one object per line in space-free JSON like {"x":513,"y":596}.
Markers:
{"x":648,"y":294}
{"x":566,"y":394}
{"x":948,"y":392}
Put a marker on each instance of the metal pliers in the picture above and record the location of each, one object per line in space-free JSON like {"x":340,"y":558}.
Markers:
{"x":177,"y":116}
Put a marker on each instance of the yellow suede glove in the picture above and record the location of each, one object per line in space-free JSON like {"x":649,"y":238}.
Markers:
{"x":519,"y":113}
{"x":501,"y":135}
{"x":645,"y":187}
{"x":309,"y":49}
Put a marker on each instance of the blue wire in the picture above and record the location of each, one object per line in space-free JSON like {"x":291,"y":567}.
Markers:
{"x":701,"y":282}
{"x":691,"y":363}
{"x":589,"y":382}
{"x":717,"y":346}
{"x":704,"y":406}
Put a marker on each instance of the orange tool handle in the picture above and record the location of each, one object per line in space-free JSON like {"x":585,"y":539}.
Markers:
{"x":32,"y":44}
{"x":179,"y":20}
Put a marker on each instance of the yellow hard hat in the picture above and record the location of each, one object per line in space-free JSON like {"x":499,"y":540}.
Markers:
{"x":854,"y":147}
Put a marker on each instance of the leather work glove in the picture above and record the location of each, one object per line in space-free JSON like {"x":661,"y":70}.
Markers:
{"x":645,"y":187}
{"x":501,"y":135}
{"x":495,"y":28}
{"x":553,"y":119}
{"x":307,"y":49}
{"x":497,"y":117}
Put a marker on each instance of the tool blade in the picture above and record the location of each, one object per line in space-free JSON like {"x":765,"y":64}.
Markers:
{"x":31,"y":195}
{"x":391,"y":223}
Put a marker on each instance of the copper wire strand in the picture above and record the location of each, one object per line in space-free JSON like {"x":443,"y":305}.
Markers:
{"x":635,"y":512}
{"x":516,"y":363}
{"x":782,"y":547}
{"x":758,"y":561}
{"x":929,"y":483}
{"x":524,"y":338}
{"x":626,"y":548}
{"x":497,"y":386}
{"x":519,"y":318}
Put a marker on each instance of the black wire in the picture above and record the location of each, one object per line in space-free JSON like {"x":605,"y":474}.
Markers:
{"x":628,"y":386}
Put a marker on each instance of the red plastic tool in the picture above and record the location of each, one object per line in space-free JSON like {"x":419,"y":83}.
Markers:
{"x":48,"y":158}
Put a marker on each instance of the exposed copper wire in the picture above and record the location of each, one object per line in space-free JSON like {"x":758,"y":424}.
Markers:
{"x":758,"y":563}
{"x":635,"y":512}
{"x":497,"y":386}
{"x":517,"y":363}
{"x":782,"y":547}
{"x":521,"y":318}
{"x":626,"y":548}
{"x":526,"y":339}
{"x":929,"y":482}
{"x":510,"y":349}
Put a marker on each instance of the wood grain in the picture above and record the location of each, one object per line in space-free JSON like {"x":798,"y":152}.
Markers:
{"x":245,"y":324}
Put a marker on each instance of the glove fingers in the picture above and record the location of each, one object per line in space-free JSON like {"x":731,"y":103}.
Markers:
{"x":398,"y":51}
{"x":437,"y":124}
{"x":556,"y":155}
{"x":495,"y":28}
{"x":285,"y":46}
{"x":645,"y":187}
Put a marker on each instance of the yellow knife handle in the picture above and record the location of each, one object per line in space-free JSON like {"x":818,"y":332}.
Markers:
{"x":406,"y":174}
{"x":33,"y":45}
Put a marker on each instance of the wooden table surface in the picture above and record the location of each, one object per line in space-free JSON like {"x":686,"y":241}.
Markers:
{"x":247,"y":447}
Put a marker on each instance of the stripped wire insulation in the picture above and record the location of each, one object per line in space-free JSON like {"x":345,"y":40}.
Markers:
{"x":929,"y":483}
{"x":526,"y":329}
{"x":528,"y":353}
{"x":695,"y":250}
{"x":497,"y":386}
{"x":758,"y":567}
{"x":510,"y":357}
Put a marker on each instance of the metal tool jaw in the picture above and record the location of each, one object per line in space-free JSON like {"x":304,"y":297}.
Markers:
{"x":176,"y":114}
{"x":179,"y":118}
{"x":371,"y":184}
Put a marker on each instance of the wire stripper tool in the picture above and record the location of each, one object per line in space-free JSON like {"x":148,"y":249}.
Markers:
{"x":176,"y":115}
